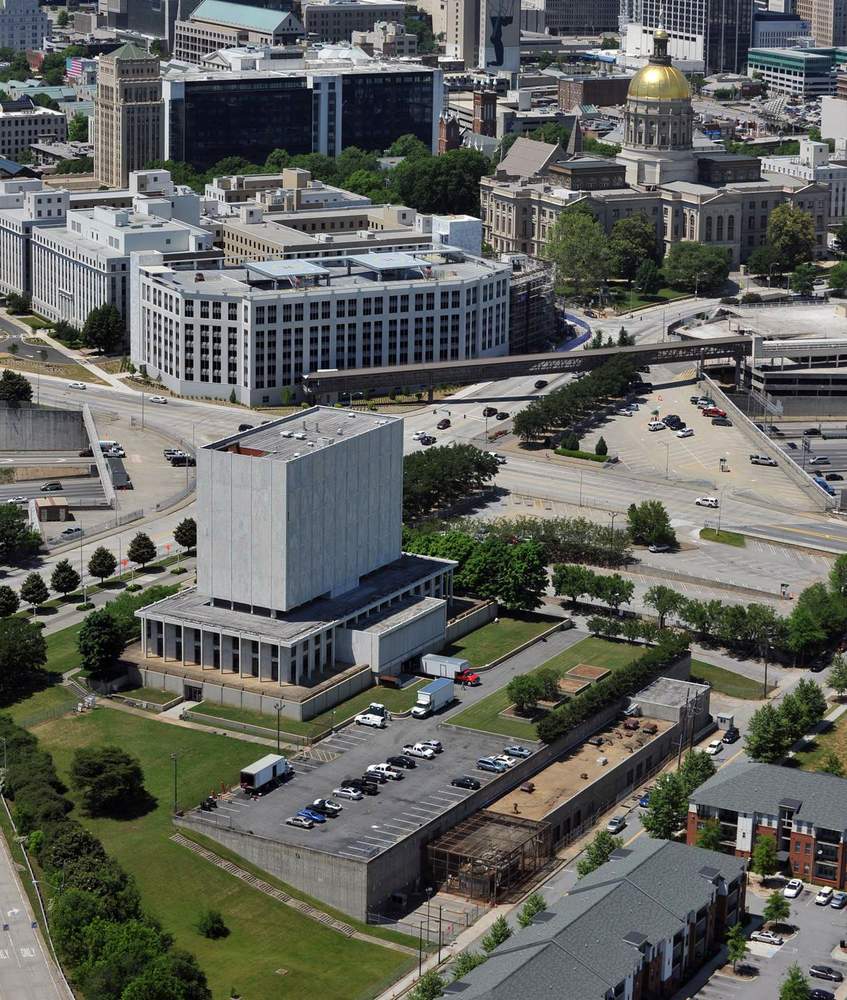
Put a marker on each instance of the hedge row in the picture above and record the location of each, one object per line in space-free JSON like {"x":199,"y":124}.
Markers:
{"x":620,"y":684}
{"x":587,"y":455}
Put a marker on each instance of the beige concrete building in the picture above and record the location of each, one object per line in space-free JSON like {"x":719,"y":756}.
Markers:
{"x":461,"y":25}
{"x":387,"y":39}
{"x":129,"y":115}
{"x":216,"y":24}
{"x":23,"y":122}
{"x":336,"y":20}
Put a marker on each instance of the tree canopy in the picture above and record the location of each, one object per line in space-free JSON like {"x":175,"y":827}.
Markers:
{"x":580,"y":251}
{"x":696,"y":267}
{"x":110,"y":780}
{"x":791,"y":236}
{"x":104,"y":329}
{"x":14,"y":388}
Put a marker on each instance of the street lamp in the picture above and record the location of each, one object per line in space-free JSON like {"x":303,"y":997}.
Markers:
{"x":667,"y":458}
{"x":278,"y":707}
{"x":612,"y":514}
{"x":175,"y":758}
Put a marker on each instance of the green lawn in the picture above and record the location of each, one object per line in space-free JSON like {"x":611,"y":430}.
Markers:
{"x":498,"y":638}
{"x":725,"y":537}
{"x":62,"y":653}
{"x":265,"y":936}
{"x":394,"y":701}
{"x":624,"y":302}
{"x":727,"y":681}
{"x":835,"y":741}
{"x":41,"y":704}
{"x":485,"y":714}
{"x":149,"y":694}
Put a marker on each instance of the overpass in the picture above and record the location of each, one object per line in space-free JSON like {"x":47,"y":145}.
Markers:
{"x":328,"y":382}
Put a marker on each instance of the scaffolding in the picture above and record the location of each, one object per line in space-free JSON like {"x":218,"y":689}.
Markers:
{"x":489,"y":855}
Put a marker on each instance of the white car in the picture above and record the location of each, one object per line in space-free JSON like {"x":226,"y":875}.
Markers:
{"x":18,"y":500}
{"x":74,"y":531}
{"x":386,"y":770}
{"x":824,"y":897}
{"x":516,"y":750}
{"x":623,"y":412}
{"x":793,"y":889}
{"x":707,"y":502}
{"x":419,"y":750}
{"x":369,"y":719}
{"x":686,"y":432}
{"x":766,"y":937}
{"x":434,"y":745}
{"x":714,"y":748}
{"x":77,"y":385}
{"x":504,"y":758}
{"x":158,"y":399}
{"x":301,"y":821}
{"x":347,"y":793}
{"x":418,"y":435}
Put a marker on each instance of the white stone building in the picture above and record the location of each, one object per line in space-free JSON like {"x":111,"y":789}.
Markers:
{"x":24,"y":205}
{"x":256,"y":329}
{"x":24,"y":24}
{"x":22,"y":122}
{"x":813,"y":164}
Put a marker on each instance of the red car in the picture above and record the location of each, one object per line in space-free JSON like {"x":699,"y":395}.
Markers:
{"x":467,"y":677}
{"x":714,"y":411}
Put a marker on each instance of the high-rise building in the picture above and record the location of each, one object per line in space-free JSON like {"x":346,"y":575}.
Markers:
{"x":829,"y":22}
{"x":129,"y":115}
{"x":216,"y":24}
{"x":23,"y":25}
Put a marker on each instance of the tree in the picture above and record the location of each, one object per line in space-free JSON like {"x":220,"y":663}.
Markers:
{"x":524,"y":691}
{"x":23,"y":652}
{"x":579,"y":248}
{"x":110,"y":780}
{"x":499,"y":932}
{"x":837,"y":278}
{"x":696,"y":767}
{"x":736,"y":944}
{"x":14,"y":388}
{"x":9,"y":601}
{"x":632,"y":241}
{"x":696,"y":267}
{"x":664,"y":600}
{"x":141,"y":549}
{"x":64,"y":578}
{"x":429,"y":987}
{"x":802,"y":279}
{"x":766,"y":741}
{"x":614,"y":590}
{"x":598,"y":852}
{"x":102,"y":563}
{"x":104,"y":329}
{"x":410,"y":147}
{"x":776,"y":909}
{"x":763,"y":859}
{"x":650,"y":524}
{"x":185,"y":533}
{"x":34,"y":590}
{"x":211,"y":925}
{"x":601,"y":448}
{"x":63,"y":19}
{"x":804,"y":631}
{"x":667,"y":808}
{"x":18,"y":305}
{"x":795,"y":985}
{"x":522,"y":578}
{"x":760,"y":261}
{"x":709,"y":836}
{"x":446,"y":184}
{"x":648,"y":278}
{"x":534,"y":904}
{"x":837,"y":679}
{"x":466,"y":961}
{"x":78,"y":128}
{"x":831,"y":764}
{"x":572,"y":581}
{"x":791,"y":236}
{"x":100,"y":643}
{"x":840,"y":241}
{"x":812,"y":702}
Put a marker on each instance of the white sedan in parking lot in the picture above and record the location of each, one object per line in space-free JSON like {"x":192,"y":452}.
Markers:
{"x":347,"y":793}
{"x":158,"y":399}
{"x":504,"y":758}
{"x":793,"y":889}
{"x":686,"y":432}
{"x":707,"y":502}
{"x":714,"y":748}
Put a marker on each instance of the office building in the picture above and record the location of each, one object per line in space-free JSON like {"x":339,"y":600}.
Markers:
{"x":602,"y":91}
{"x":129,"y":115}
{"x":772,"y":30}
{"x":336,"y":20}
{"x":330,"y":99}
{"x":297,"y":589}
{"x":813,"y":164}
{"x":24,"y":24}
{"x":216,"y":24}
{"x":387,"y":40}
{"x":461,"y":39}
{"x":23,"y":122}
{"x":581,"y":17}
{"x":804,"y":812}
{"x":807,"y":73}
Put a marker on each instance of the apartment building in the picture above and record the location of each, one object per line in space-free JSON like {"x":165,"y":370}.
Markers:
{"x":805,"y":812}
{"x":23,"y":122}
{"x":256,"y":329}
{"x":24,"y":24}
{"x":336,"y":20}
{"x":216,"y":24}
{"x":639,"y":927}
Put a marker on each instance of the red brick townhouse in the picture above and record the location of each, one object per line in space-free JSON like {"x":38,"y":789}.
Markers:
{"x":805,"y":812}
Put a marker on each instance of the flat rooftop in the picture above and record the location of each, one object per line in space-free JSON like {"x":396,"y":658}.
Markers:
{"x":670,"y":692}
{"x":559,"y":782}
{"x":806,"y":322}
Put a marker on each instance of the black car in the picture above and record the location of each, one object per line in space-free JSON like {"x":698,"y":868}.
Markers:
{"x":466,"y":781}
{"x":541,"y":384}
{"x":321,"y":806}
{"x":427,"y":439}
{"x":693,"y":399}
{"x":502,"y":415}
{"x":721,"y":422}
{"x":791,"y":445}
{"x":245,"y":427}
{"x":376,"y":778}
{"x":834,"y":477}
{"x":812,"y":432}
{"x":821,"y":995}
{"x":399,"y":760}
{"x":442,"y":425}
{"x":365,"y":787}
{"x":731,"y":735}
{"x":490,"y":411}
{"x":51,"y":487}
{"x":825,"y":972}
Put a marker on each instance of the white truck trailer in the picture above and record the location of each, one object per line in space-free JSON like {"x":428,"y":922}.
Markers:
{"x":436,"y":665}
{"x":258,"y":777}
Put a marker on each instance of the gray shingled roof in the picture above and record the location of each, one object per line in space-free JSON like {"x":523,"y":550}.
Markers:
{"x":586,"y":942}
{"x":747,"y":787}
{"x":528,"y":157}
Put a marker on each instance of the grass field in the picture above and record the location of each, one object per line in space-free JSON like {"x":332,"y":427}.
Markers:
{"x":149,"y":694}
{"x":835,"y":741}
{"x":53,"y":699}
{"x":727,"y":681}
{"x":725,"y":537}
{"x":70,"y":371}
{"x":265,"y":936}
{"x":498,"y":638}
{"x":62,"y":653}
{"x":485,"y":714}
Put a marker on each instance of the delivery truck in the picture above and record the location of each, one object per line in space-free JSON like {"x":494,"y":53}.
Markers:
{"x":433,"y":697}
{"x":265,"y":773}
{"x":435,"y":665}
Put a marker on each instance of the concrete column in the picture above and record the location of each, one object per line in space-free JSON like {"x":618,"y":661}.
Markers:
{"x":321,"y":657}
{"x":264,"y":661}
{"x":169,"y":641}
{"x":206,"y":651}
{"x":144,"y":633}
{"x":226,"y":654}
{"x":284,"y":664}
{"x":244,"y":657}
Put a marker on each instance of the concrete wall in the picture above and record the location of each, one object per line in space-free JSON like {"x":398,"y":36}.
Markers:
{"x":460,"y":627}
{"x":30,"y":428}
{"x":99,"y":458}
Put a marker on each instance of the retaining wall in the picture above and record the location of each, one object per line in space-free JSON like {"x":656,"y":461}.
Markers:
{"x":31,"y":428}
{"x":470,"y":621}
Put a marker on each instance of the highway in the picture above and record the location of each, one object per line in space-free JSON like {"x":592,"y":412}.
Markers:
{"x":84,"y":487}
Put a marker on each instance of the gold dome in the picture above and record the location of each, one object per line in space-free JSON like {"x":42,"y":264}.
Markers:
{"x":659,"y":83}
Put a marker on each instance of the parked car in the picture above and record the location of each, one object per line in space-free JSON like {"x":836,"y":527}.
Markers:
{"x":659,"y":547}
{"x":838,"y":901}
{"x":502,"y":415}
{"x":51,"y":488}
{"x":812,"y":432}
{"x":763,"y":460}
{"x":375,"y":779}
{"x":824,"y":896}
{"x":685,"y":432}
{"x":504,"y":758}
{"x":721,"y":422}
{"x":713,"y":411}
{"x":466,"y":781}
{"x":346,"y":792}
{"x":77,"y":385}
{"x":302,"y":821}
{"x":616,"y":824}
{"x":442,"y":425}
{"x":434,"y":745}
{"x":793,"y":889}
{"x":819,"y":460}
{"x":732,"y":735}
{"x":327,"y":806}
{"x":369,"y":786}
{"x":834,"y":477}
{"x":246,"y":427}
{"x":489,"y":411}
{"x":312,"y":814}
{"x":417,"y":750}
{"x":714,"y":748}
{"x":384,"y":769}
{"x":418,"y":435}
{"x":369,"y":719}
{"x":766,"y":937}
{"x":498,"y":458}
{"x":826,"y":972}
{"x":467,"y":677}
{"x":161,"y":400}
{"x":623,"y":411}
{"x":401,"y":760}
{"x":516,"y":750}
{"x":428,"y":439}
{"x":791,"y":445}
{"x":821,"y":995}
{"x":541,"y":383}
{"x":490,"y":764}
{"x":707,"y":502}
{"x":644,"y":801}
{"x":74,"y":531}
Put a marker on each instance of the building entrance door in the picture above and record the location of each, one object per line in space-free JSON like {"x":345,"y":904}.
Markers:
{"x":193,"y":692}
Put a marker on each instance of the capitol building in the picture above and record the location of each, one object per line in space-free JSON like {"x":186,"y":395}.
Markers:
{"x":691,"y":187}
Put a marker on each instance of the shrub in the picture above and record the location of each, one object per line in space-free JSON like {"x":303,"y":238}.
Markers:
{"x":211,"y":925}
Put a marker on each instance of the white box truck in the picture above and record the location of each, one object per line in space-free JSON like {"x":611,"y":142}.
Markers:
{"x":258,"y":777}
{"x":433,"y":697}
{"x":435,"y":665}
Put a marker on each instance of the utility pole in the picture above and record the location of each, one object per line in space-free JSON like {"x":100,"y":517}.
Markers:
{"x":175,"y":758}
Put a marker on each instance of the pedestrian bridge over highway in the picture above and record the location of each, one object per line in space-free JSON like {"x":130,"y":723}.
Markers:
{"x":332,"y":382}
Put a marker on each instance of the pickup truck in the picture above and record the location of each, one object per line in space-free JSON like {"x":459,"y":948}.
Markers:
{"x":762,"y":460}
{"x":419,"y":750}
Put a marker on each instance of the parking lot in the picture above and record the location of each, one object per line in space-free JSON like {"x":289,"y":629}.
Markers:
{"x":374,"y":823}
{"x":695,"y":460}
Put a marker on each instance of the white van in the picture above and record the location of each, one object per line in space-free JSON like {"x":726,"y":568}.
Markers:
{"x":369,"y":719}
{"x":655,"y":425}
